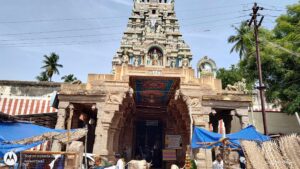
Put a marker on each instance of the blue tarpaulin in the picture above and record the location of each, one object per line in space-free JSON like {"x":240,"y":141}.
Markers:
{"x":14,"y":131}
{"x":202,"y":136}
{"x":4,"y":148}
{"x":11,"y":132}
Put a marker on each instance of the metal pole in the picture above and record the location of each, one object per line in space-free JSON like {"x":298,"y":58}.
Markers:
{"x":258,"y":61}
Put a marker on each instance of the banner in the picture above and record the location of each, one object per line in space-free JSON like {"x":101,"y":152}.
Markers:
{"x":42,"y":161}
{"x":169,"y":155}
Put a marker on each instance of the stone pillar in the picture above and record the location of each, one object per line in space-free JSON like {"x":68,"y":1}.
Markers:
{"x":104,"y":148}
{"x":203,"y":157}
{"x":101,"y":144}
{"x":98,"y":130}
{"x":60,"y":123}
{"x":243,"y":115}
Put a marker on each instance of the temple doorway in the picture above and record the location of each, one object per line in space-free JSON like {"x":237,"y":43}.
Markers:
{"x":155,"y":122}
{"x":149,"y":141}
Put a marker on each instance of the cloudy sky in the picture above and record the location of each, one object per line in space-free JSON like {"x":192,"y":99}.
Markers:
{"x":86,"y":33}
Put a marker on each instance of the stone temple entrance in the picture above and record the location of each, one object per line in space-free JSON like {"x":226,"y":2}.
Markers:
{"x":151,"y":94}
{"x":154,"y":118}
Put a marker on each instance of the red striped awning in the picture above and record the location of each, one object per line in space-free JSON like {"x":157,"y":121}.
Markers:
{"x":24,"y":105}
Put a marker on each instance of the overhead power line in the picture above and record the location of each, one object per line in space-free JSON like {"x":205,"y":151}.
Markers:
{"x":60,"y":43}
{"x":59,"y":37}
{"x":62,"y":30}
{"x":100,"y":18}
{"x":105,"y":27}
{"x":59,"y":20}
{"x":212,"y":21}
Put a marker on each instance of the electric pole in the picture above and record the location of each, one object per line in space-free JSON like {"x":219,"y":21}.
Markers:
{"x":261,"y":87}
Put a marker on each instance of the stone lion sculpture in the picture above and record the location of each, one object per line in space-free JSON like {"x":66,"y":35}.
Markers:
{"x":239,"y":86}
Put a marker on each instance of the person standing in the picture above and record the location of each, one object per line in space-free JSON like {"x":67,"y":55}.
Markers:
{"x":120,"y":162}
{"x":218,"y":163}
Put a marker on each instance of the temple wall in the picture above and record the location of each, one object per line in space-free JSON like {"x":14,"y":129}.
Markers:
{"x":278,"y":122}
{"x":27,"y":88}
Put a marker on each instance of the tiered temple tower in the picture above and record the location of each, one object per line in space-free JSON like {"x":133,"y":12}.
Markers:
{"x":152,"y":38}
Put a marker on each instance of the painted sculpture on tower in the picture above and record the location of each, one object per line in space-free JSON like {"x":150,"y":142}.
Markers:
{"x":206,"y":66}
{"x":154,"y":57}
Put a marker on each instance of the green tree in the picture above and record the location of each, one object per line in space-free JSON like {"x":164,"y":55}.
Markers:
{"x":51,"y":65}
{"x":42,"y":77}
{"x":69,"y":78}
{"x":229,"y":76}
{"x":241,"y":40}
{"x":279,"y":51}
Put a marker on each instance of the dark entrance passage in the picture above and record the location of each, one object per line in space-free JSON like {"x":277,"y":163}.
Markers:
{"x":149,"y":141}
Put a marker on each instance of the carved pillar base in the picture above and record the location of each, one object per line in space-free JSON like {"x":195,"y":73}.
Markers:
{"x":243,"y":115}
{"x":60,"y":124}
{"x":203,"y":158}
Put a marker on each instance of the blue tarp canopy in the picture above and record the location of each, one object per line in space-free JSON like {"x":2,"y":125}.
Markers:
{"x":201,"y":137}
{"x":13,"y":132}
{"x":4,"y":148}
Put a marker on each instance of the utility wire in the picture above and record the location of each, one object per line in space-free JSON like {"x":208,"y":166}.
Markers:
{"x":59,"y":37}
{"x":63,"y":30}
{"x":65,"y":43}
{"x":223,"y":19}
{"x":60,"y":20}
{"x":218,"y":14}
{"x":97,"y":18}
{"x":211,"y":8}
{"x":105,"y":27}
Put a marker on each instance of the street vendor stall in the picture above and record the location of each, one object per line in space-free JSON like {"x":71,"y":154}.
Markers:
{"x":19,"y":136}
{"x":203,"y":138}
{"x":228,"y":146}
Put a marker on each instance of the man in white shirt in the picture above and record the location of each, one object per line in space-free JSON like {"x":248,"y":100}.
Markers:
{"x":218,"y":163}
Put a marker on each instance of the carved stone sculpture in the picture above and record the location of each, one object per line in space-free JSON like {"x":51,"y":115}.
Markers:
{"x":125,"y":56}
{"x":114,"y":99}
{"x":239,"y":86}
{"x":185,"y":62}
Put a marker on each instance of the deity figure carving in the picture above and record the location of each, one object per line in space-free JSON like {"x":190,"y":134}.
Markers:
{"x":185,"y":62}
{"x":206,"y":67}
{"x":159,"y":29}
{"x":125,"y":56}
{"x":156,"y":58}
{"x":136,"y":61}
{"x":172,"y":64}
{"x":148,"y":60}
{"x":148,"y":26}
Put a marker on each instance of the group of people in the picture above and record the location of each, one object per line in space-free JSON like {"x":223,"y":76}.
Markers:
{"x":101,"y":163}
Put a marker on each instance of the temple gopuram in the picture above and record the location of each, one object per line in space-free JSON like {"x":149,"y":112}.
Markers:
{"x":152,"y":96}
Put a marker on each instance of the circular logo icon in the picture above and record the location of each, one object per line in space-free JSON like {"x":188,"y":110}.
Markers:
{"x":10,"y":158}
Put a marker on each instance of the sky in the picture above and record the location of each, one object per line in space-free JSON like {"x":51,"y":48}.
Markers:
{"x":87,"y":33}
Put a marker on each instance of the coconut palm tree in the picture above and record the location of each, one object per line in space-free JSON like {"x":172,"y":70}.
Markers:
{"x":241,"y":40}
{"x":42,"y":77}
{"x":51,"y":65}
{"x":69,"y":78}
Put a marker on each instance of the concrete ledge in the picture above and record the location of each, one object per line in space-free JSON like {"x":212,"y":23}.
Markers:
{"x":28,"y":83}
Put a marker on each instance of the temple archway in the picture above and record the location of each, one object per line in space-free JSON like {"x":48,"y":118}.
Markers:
{"x":140,"y":129}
